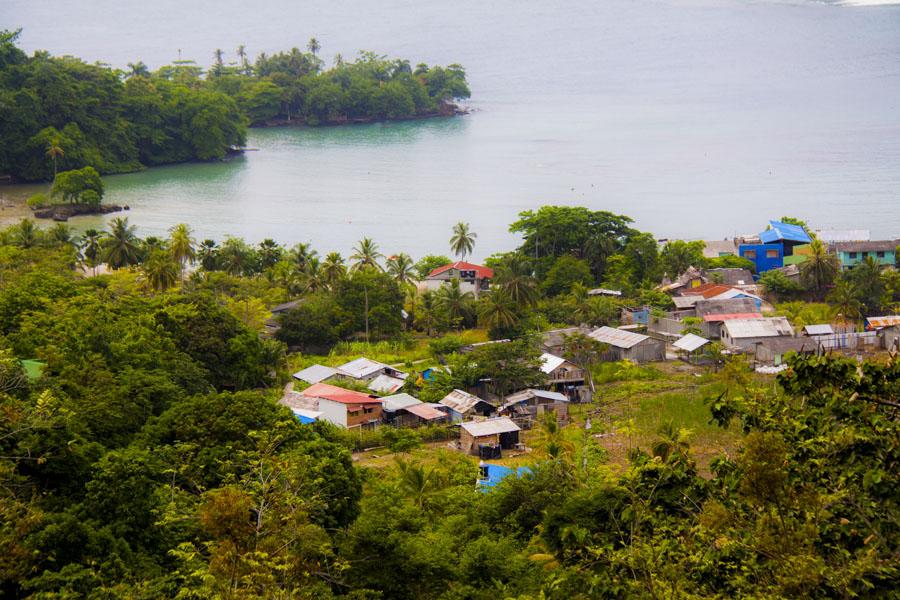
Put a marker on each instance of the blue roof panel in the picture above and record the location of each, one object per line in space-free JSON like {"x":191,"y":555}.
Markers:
{"x":784,"y":232}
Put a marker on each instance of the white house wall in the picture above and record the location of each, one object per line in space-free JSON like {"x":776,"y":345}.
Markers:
{"x":333,"y":412}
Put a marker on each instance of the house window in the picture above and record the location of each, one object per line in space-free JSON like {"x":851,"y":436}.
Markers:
{"x":771,"y":253}
{"x":751,"y":254}
{"x":880,"y":254}
{"x":865,"y":255}
{"x":853,"y":256}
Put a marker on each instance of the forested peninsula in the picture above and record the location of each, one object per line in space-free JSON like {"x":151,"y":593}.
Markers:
{"x":60,"y":113}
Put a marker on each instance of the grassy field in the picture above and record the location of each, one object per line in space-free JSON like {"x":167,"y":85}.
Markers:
{"x":631,"y":405}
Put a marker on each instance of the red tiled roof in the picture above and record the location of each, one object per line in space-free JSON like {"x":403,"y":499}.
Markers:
{"x":731,"y":316}
{"x":480,"y":272}
{"x":338,"y":394}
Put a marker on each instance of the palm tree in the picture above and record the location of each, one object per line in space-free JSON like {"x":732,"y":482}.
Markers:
{"x":91,"y":248}
{"x":515,"y":277}
{"x":138,"y":69}
{"x":365,"y":255}
{"x":242,"y":55}
{"x":181,"y":246}
{"x":551,"y":439}
{"x":455,"y":303}
{"x":312,"y":276}
{"x":207,"y":254}
{"x":218,"y":55}
{"x":820,"y":268}
{"x":497,"y":311}
{"x":235,"y":256}
{"x":26,"y":234}
{"x":60,"y":233}
{"x":270,"y":252}
{"x":417,"y":482}
{"x":463,"y":241}
{"x":333,"y":269}
{"x":427,"y":317}
{"x":402,"y":269}
{"x":673,"y":442}
{"x":301,"y":254}
{"x":121,"y":248}
{"x":314,"y":46}
{"x":867,"y":278}
{"x":160,"y":270}
{"x":54,"y":151}
{"x":845,"y":298}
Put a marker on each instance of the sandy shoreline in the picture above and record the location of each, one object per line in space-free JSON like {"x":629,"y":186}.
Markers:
{"x":12,"y":201}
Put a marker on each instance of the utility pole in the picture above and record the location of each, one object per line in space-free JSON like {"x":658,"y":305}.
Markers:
{"x":366,"y":292}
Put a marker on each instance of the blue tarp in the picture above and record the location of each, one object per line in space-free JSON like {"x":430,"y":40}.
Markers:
{"x":304,"y":420}
{"x":496,"y":474}
{"x":784,"y":232}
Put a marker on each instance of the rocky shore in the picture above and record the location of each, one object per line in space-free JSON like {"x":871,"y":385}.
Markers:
{"x":62,"y":212}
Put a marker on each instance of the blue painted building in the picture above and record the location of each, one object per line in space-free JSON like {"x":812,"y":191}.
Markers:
{"x":764,"y":257}
{"x":776,"y":242}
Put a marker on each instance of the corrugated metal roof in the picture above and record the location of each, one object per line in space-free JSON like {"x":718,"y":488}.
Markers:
{"x":361,"y":368}
{"x":725,"y":306}
{"x":550,"y":362}
{"x":338,"y":394}
{"x":869,"y":246}
{"x":686,"y":301}
{"x":731,"y":317}
{"x":315,"y":373}
{"x":784,"y":231}
{"x":460,"y":401}
{"x":843,"y":235}
{"x":530,"y":393}
{"x":489,"y":427}
{"x":751,"y":328}
{"x":424,"y":411}
{"x":398,"y":401}
{"x":690,"y":342}
{"x":385,"y":384}
{"x":879,"y":322}
{"x":617,"y":337}
{"x":819,"y":329}
{"x":604,"y":292}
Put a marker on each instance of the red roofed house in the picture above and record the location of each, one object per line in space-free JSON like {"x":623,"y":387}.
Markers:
{"x":472,"y":278}
{"x":345,"y":408}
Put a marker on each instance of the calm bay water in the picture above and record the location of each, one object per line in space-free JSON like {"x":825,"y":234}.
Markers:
{"x":698,"y":119}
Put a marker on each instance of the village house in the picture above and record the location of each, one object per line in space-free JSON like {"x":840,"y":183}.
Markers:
{"x":852,"y":253}
{"x":385,"y":384}
{"x":365,"y":369}
{"x":772,"y":351}
{"x":487,"y":439}
{"x":627,"y":345}
{"x":890,"y":338}
{"x":403,"y":410}
{"x":560,"y":372}
{"x":472,"y":278}
{"x":716,"y":311}
{"x":463,"y":405}
{"x":315,"y":374}
{"x":768,"y":250}
{"x":272,"y":324}
{"x":554,"y":341}
{"x":527,"y":405}
{"x":719,"y":248}
{"x":747,"y":333}
{"x":345,"y":408}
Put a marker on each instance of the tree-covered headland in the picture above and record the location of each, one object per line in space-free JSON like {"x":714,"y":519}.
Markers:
{"x":60,"y":113}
